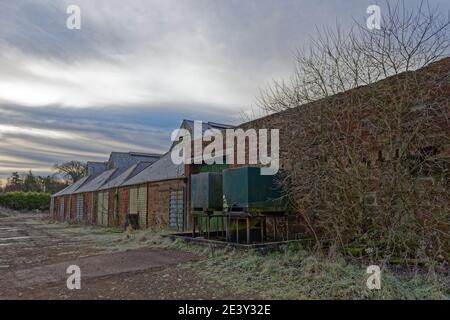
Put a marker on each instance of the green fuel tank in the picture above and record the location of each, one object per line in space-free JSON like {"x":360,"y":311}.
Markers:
{"x":244,"y":188}
{"x":206,"y":191}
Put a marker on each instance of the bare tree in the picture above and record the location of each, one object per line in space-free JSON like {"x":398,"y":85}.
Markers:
{"x":72,"y":170}
{"x":336,"y":61}
{"x":368,"y":166}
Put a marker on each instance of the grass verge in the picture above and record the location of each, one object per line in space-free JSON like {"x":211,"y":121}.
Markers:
{"x":298,"y":274}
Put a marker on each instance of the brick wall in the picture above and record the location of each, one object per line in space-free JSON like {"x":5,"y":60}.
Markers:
{"x":94,"y":208}
{"x":158,"y":201}
{"x":66,"y":208}
{"x":299,"y":127}
{"x":73,"y":207}
{"x":56,"y":212}
{"x":345,"y":148}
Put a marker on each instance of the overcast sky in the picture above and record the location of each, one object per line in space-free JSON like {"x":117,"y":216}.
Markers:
{"x":138,"y":67}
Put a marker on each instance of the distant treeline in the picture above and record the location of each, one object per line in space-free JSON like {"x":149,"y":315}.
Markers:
{"x":30,"y":183}
{"x":31,"y":192}
{"x":25,"y":200}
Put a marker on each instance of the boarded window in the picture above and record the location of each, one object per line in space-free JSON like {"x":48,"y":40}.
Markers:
{"x":138,"y":204}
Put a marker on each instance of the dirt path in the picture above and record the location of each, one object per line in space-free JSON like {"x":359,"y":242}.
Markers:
{"x":35,"y":254}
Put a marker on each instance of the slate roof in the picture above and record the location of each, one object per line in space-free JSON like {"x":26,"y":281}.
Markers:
{"x":124,"y":176}
{"x":95,"y":168}
{"x":124,"y":160}
{"x":163,"y":169}
{"x":72,"y":188}
{"x":97,"y":182}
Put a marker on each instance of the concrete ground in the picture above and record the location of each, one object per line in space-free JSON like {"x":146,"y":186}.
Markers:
{"x":35,"y":254}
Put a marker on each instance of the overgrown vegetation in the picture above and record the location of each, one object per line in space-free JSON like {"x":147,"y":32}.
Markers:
{"x":296,"y":273}
{"x":371,"y":170}
{"x":25,"y":200}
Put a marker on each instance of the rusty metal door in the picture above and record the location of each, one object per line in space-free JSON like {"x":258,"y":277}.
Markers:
{"x":176,"y":209}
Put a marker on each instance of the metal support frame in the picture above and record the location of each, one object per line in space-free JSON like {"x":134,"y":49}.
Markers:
{"x":223,"y":229}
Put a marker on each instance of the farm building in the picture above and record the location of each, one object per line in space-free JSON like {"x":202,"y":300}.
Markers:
{"x":146,"y":185}
{"x":118,"y":195}
{"x":80,"y":201}
{"x":61,"y":200}
{"x":370,"y":160}
{"x":97,"y":213}
{"x":158,"y":194}
{"x":363,"y":132}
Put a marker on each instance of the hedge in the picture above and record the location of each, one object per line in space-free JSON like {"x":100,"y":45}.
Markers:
{"x":25,"y":200}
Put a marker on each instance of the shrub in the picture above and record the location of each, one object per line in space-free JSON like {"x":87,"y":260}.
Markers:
{"x":25,"y":200}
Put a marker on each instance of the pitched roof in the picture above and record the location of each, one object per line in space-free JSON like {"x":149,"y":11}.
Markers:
{"x":189,"y":125}
{"x":163,"y":169}
{"x":124,"y":176}
{"x":124,"y":160}
{"x":72,"y":188}
{"x":95,"y":183}
{"x":95,"y":168}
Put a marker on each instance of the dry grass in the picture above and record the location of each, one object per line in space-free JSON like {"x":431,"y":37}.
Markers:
{"x":299,"y":274}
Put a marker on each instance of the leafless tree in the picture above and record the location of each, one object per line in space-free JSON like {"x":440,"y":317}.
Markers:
{"x":72,"y":170}
{"x":368,"y":160}
{"x":336,"y":61}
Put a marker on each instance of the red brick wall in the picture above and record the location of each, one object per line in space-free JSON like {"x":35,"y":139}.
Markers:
{"x":73,"y":207}
{"x":433,"y":84}
{"x":94,"y":208}
{"x":57,"y":208}
{"x":66,"y":208}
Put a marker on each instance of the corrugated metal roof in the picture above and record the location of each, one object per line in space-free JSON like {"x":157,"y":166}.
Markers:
{"x":97,"y":182}
{"x":128,"y":174}
{"x":163,"y":169}
{"x":72,"y":188}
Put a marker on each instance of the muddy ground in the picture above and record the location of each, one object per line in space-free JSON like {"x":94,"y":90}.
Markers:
{"x":35,"y":254}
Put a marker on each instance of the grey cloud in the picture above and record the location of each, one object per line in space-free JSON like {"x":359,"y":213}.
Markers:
{"x":139,"y":67}
{"x":93,"y":132}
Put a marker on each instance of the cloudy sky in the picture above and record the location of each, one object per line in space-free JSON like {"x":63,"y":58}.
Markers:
{"x":138,"y":67}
